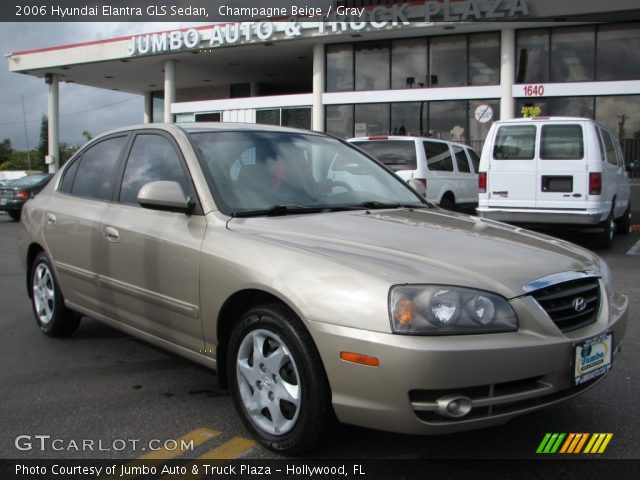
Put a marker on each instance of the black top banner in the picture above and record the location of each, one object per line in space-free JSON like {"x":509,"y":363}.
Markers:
{"x":313,"y":10}
{"x":178,"y":10}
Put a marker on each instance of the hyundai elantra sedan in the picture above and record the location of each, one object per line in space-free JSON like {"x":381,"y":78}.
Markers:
{"x":315,"y":282}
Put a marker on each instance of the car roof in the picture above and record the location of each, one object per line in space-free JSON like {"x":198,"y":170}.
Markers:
{"x":380,"y":138}
{"x":208,"y":127}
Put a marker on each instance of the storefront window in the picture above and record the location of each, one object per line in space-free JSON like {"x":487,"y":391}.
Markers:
{"x":296,"y":117}
{"x":339,"y":120}
{"x":268,"y":117}
{"x":448,"y":120}
{"x":618,"y":52}
{"x":339,"y":68}
{"x":482,"y":113}
{"x":409,"y":63}
{"x":620,"y":114}
{"x":556,"y":106}
{"x":484,"y":59}
{"x":408,"y":118}
{"x":372,"y":119}
{"x":532,"y":48}
{"x":448,"y":61}
{"x":372,"y":66}
{"x":573,"y":54}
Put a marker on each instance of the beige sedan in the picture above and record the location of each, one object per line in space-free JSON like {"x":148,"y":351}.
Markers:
{"x":316,"y":283}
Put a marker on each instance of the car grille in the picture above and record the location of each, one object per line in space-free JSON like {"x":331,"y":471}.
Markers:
{"x":571,"y":305}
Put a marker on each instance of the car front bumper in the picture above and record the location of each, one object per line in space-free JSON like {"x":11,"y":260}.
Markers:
{"x":504,"y":375}
{"x":532,"y":216}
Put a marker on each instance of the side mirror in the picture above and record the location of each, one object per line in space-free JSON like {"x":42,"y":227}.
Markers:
{"x":418,"y":186}
{"x":164,"y":195}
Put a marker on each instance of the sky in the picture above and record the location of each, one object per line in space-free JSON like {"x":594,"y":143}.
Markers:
{"x":81,"y":108}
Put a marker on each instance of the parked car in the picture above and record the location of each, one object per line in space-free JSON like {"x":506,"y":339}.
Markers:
{"x":447,"y":170}
{"x":231,"y":245}
{"x":555,"y":171}
{"x":14,"y":195}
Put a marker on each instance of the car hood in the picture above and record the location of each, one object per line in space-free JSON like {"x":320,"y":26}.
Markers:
{"x":426,"y":246}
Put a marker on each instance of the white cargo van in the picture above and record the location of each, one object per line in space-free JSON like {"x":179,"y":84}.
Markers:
{"x":555,"y":170}
{"x":447,"y":170}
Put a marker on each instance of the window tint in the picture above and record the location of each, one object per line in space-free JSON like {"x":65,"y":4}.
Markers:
{"x":475,"y":159}
{"x":97,"y":169}
{"x":561,"y":142}
{"x":438,"y":156}
{"x":515,"y":142}
{"x":395,"y":154}
{"x":69,"y":176}
{"x":461,"y":160}
{"x":152,"y":158}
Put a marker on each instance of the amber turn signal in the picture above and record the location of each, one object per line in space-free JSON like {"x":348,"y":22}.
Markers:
{"x":360,"y":359}
{"x":404,"y":312}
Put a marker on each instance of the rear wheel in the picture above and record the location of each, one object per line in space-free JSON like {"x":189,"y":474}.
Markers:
{"x":14,"y":214}
{"x":53,"y":317}
{"x":448,"y":202}
{"x":277,"y":380}
{"x":605,"y":237}
{"x":623,"y":224}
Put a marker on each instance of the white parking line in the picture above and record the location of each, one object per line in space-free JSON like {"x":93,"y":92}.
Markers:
{"x":635,"y":250}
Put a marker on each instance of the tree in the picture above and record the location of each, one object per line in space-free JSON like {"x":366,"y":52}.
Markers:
{"x":5,"y":150}
{"x":43,"y":146}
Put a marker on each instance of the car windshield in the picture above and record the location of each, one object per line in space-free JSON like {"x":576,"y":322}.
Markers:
{"x":29,"y":181}
{"x":255,"y":172}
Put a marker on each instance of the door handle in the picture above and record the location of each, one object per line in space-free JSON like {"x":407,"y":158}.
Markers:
{"x":111,"y":235}
{"x":51,"y":219}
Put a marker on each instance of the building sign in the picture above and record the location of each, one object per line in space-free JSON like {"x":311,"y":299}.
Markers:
{"x":355,"y":20}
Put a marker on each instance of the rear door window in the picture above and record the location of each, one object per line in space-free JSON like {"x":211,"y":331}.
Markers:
{"x":561,"y":142}
{"x":97,"y":170}
{"x":515,"y":142}
{"x":438,"y":157}
{"x":461,"y":160}
{"x":395,"y":154}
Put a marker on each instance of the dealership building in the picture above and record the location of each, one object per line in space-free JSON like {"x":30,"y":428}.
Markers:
{"x":442,"y":68}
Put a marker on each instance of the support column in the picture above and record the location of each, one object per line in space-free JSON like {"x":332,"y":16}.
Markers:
{"x":148,"y":107}
{"x":169,"y":89}
{"x":507,"y":73}
{"x":319,"y":72}
{"x":53,"y":121}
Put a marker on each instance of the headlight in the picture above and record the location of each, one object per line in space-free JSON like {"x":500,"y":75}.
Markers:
{"x":607,"y":277}
{"x":446,"y":310}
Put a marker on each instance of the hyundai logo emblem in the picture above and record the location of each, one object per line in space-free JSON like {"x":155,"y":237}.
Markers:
{"x":579,"y":304}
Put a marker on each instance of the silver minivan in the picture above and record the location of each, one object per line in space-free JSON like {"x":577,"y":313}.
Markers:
{"x":447,"y":170}
{"x":555,"y":170}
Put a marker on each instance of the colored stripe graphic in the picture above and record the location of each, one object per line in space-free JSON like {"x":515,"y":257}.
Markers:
{"x":596,"y":443}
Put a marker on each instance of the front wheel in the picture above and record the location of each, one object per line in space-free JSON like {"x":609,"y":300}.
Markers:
{"x":53,"y":317}
{"x":277,"y":380}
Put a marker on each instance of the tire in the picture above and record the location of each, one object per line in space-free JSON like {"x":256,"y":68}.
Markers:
{"x":15,"y":215}
{"x":447,"y":202}
{"x":286,"y":405}
{"x":623,"y":224}
{"x":52,"y":316}
{"x":604,"y":239}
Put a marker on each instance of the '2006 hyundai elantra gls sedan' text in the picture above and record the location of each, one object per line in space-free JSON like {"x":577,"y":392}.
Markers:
{"x":315,"y":282}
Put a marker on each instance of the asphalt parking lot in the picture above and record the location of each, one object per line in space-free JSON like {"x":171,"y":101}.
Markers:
{"x":122,"y":394}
